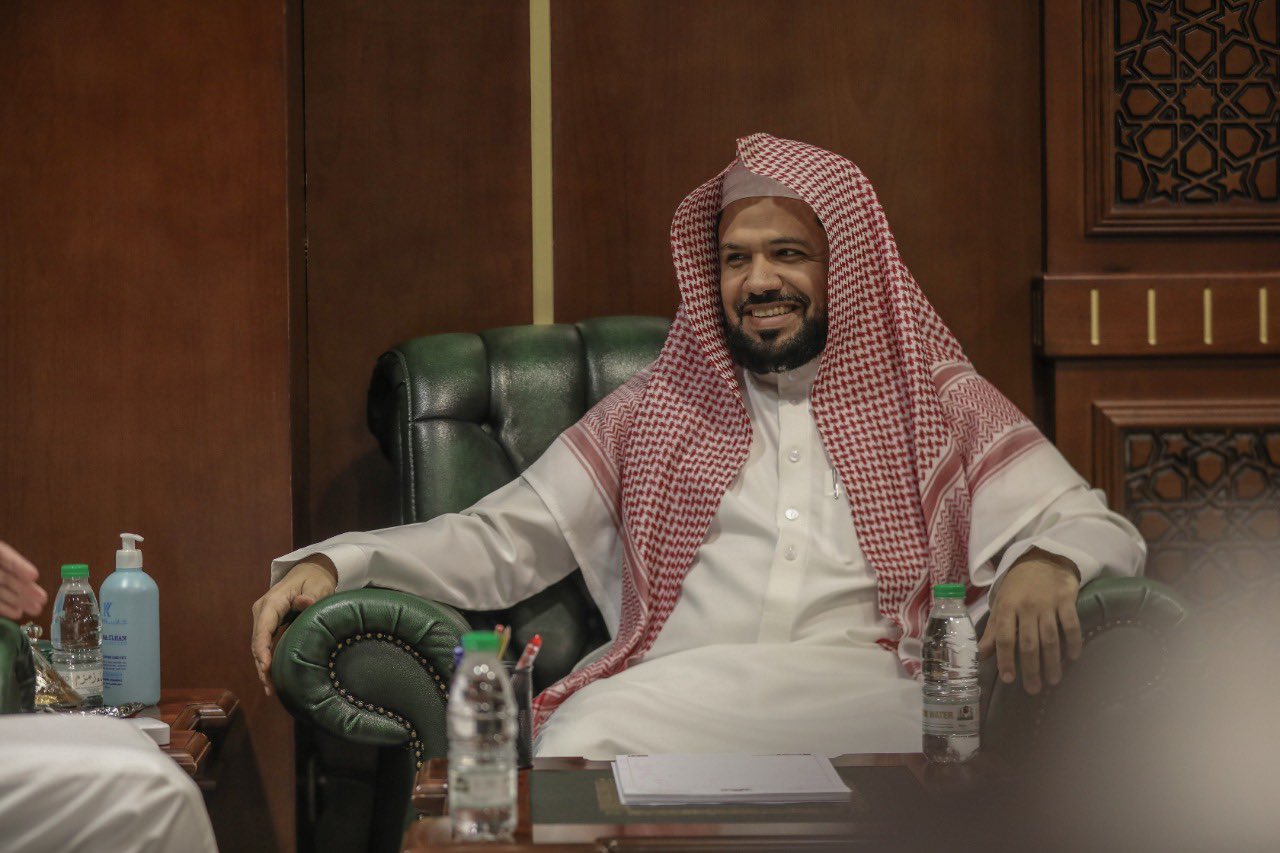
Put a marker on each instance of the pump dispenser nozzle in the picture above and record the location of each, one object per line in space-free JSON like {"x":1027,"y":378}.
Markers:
{"x":129,"y":557}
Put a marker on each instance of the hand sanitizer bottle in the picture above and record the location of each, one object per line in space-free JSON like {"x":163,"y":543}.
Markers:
{"x":130,"y":629}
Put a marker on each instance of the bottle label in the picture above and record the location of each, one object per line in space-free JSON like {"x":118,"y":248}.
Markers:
{"x":951,"y":718}
{"x":482,"y":789}
{"x":86,"y":682}
{"x":113,"y":669}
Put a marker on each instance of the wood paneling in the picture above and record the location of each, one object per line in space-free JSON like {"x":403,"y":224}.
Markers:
{"x":1076,"y":186}
{"x":1180,"y":117}
{"x":417,"y":156}
{"x":1200,"y":479}
{"x":939,"y":105}
{"x":1080,"y":384}
{"x":1160,"y":158}
{"x":144,"y":335}
{"x":1161,"y":315}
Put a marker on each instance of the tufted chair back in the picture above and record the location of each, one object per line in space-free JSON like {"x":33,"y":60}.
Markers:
{"x":460,"y":415}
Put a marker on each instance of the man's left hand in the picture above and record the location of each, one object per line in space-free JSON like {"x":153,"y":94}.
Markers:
{"x":1036,"y":604}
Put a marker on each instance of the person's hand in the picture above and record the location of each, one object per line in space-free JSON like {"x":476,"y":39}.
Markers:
{"x":1036,"y":604}
{"x":305,"y":584}
{"x":20,"y":592}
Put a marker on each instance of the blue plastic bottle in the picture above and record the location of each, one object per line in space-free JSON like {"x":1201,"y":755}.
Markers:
{"x":130,"y":629}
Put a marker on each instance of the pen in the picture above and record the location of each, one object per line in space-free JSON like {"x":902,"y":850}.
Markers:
{"x":530,"y":652}
{"x":504,"y":637}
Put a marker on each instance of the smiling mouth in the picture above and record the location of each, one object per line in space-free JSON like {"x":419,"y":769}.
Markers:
{"x":772,"y":310}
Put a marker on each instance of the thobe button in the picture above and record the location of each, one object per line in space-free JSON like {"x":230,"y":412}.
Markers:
{"x":791,"y":553}
{"x":794,"y":455}
{"x":792,"y":514}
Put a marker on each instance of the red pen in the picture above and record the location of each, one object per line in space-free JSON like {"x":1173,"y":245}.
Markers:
{"x":530,"y":652}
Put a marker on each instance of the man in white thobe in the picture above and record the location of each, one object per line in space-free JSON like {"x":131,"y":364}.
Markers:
{"x":774,"y":630}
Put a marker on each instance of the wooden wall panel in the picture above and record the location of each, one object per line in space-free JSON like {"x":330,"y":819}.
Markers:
{"x":1161,"y":207}
{"x":1099,"y":154}
{"x":1180,"y":117}
{"x":1200,"y":479}
{"x":418,"y":206}
{"x":1158,"y":315}
{"x":938,"y":105}
{"x":1082,"y":384}
{"x":144,"y":335}
{"x":1151,"y":431}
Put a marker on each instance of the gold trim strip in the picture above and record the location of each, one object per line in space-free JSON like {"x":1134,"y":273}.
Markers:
{"x":544,"y":289}
{"x":1151,"y":316}
{"x":1208,"y":315}
{"x":1262,"y":316}
{"x":1095,"y":313}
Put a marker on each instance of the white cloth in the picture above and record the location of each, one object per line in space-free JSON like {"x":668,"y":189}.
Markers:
{"x":771,"y":646}
{"x":740,"y":182}
{"x":94,"y":784}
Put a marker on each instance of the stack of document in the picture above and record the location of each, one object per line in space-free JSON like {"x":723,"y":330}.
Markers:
{"x":667,"y":780}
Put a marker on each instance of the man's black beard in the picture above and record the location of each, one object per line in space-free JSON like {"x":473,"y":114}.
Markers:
{"x":765,"y":356}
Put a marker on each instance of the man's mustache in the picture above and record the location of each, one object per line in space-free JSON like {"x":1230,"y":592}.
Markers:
{"x":773,"y":297}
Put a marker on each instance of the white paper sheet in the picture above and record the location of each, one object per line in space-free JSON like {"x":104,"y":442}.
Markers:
{"x":724,"y":778}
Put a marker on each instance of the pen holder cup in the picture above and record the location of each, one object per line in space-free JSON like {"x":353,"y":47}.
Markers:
{"x":522,"y":686}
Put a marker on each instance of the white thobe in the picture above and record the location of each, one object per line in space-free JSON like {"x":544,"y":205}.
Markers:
{"x":72,"y":783}
{"x":772,"y":644}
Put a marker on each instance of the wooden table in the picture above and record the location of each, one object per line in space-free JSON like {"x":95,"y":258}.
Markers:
{"x":198,"y":718}
{"x":872,"y":830}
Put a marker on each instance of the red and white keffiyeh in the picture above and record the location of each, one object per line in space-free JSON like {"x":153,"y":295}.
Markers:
{"x":912,"y":430}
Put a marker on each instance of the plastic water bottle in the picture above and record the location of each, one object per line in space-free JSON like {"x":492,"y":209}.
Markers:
{"x":951,"y":691}
{"x":75,"y":635}
{"x":482,"y":744}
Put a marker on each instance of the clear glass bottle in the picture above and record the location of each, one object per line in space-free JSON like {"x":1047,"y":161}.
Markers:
{"x":75,"y":634}
{"x":482,"y":744}
{"x":952,"y":695}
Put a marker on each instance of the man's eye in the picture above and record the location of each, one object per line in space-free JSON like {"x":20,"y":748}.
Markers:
{"x":789,"y":253}
{"x":734,"y":257}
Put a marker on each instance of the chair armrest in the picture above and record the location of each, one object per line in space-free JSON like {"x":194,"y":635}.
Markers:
{"x":371,"y":666}
{"x":1133,"y":630}
{"x":17,"y":671}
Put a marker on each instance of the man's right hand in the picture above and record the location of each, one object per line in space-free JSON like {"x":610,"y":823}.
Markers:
{"x":20,"y":592}
{"x":306,"y":583}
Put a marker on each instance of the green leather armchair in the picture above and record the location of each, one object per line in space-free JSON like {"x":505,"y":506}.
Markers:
{"x":17,"y":672}
{"x":459,"y":415}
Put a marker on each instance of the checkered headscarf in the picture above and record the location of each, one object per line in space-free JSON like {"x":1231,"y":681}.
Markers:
{"x":911,"y":428}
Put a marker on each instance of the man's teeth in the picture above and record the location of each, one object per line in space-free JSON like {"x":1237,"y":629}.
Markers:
{"x":771,"y":312}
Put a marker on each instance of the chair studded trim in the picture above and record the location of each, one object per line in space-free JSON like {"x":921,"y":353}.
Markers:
{"x":1134,"y":688}
{"x":415,"y":742}
{"x":313,"y":683}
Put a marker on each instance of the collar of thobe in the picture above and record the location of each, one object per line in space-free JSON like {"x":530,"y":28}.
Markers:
{"x":797,"y":382}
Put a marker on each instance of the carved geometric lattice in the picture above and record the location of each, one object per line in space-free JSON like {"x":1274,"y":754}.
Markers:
{"x":1208,"y":504}
{"x":1186,"y":95}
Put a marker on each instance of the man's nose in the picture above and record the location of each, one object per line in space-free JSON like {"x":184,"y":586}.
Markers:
{"x":761,"y":276}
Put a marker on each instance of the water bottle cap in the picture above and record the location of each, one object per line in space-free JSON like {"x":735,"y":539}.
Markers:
{"x":948,"y":590}
{"x":75,"y":570}
{"x":480,"y":641}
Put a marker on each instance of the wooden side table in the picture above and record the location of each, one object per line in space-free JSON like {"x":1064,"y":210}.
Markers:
{"x":198,"y":718}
